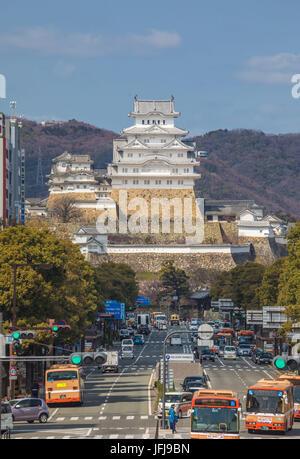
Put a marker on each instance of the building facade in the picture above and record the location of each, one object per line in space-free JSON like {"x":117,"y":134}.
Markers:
{"x":12,"y":171}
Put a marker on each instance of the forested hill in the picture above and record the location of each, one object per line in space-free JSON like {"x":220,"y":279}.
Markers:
{"x":241,"y":164}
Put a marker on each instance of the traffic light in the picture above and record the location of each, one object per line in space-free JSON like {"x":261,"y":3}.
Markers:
{"x":88,"y":358}
{"x":16,"y":343}
{"x":59,"y":328}
{"x":25,"y":334}
{"x":290,"y":362}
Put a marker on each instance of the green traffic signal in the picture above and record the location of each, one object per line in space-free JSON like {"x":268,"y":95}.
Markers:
{"x":55,"y":328}
{"x":76,"y":359}
{"x":16,"y":335}
{"x":279,"y":363}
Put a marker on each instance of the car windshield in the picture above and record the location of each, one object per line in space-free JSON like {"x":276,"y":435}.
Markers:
{"x":127,"y":348}
{"x":65,"y":375}
{"x":215,"y":419}
{"x":244,"y":346}
{"x":264,"y":401}
{"x":266,"y":355}
{"x":229,"y":349}
{"x":172,"y":398}
{"x":139,"y":336}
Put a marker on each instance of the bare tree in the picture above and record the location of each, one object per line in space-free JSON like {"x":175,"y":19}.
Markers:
{"x":64,"y":207}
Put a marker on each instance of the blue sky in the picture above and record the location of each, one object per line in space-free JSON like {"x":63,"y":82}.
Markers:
{"x":228,"y":63}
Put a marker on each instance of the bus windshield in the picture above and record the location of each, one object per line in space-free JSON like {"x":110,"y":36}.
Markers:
{"x":63,"y":375}
{"x":215,"y":419}
{"x":297,"y":394}
{"x":265,"y":401}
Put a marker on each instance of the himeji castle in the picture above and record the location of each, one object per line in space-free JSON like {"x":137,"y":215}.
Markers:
{"x":151,"y":154}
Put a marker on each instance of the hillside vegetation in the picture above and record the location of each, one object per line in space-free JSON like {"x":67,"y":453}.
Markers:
{"x":242,"y":164}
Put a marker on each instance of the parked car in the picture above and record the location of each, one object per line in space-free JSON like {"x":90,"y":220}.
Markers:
{"x":244,"y":349}
{"x":6,"y":418}
{"x":229,"y":352}
{"x":201,"y":380}
{"x":29,"y":409}
{"x":127,"y":352}
{"x":182,"y":402}
{"x":138,"y":339}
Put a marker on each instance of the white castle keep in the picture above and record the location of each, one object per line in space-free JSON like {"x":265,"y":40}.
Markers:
{"x":150,"y":153}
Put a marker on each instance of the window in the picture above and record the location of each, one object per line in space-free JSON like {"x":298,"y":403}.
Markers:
{"x":143,"y":121}
{"x":169,"y":182}
{"x":135,"y":170}
{"x":180,"y":182}
{"x":135,"y":182}
{"x":146,"y":182}
{"x":157,"y":182}
{"x":164,"y":121}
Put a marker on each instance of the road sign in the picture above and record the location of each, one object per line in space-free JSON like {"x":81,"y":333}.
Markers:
{"x":13,"y":371}
{"x":205,"y":343}
{"x":167,"y":357}
{"x":205,"y":331}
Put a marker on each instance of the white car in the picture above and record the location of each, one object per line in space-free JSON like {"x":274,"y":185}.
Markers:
{"x":229,"y":353}
{"x":175,"y":340}
{"x":127,"y":342}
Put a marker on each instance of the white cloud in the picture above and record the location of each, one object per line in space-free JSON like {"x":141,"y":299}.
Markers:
{"x":50,"y":41}
{"x":276,"y":69}
{"x":63,"y":69}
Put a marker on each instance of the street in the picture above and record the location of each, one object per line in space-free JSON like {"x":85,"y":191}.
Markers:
{"x":120,"y":405}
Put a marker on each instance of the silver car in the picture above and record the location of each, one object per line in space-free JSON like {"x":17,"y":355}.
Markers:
{"x":29,"y":409}
{"x":127,"y":352}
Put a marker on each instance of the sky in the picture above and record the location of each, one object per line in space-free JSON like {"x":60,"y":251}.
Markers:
{"x":228,"y":64}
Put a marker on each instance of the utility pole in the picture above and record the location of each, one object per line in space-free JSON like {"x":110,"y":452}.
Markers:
{"x":1,"y":319}
{"x":15,"y":266}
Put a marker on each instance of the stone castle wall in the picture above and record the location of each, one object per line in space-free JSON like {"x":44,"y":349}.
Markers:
{"x":152,"y":262}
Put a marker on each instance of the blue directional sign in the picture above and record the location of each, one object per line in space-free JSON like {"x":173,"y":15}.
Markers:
{"x":118,"y":309}
{"x":143,"y":301}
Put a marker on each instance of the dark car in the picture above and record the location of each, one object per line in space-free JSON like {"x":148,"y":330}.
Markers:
{"x":143,"y":330}
{"x":207,"y":354}
{"x":255,"y":354}
{"x":195,"y":385}
{"x":264,"y":357}
{"x":201,"y":380}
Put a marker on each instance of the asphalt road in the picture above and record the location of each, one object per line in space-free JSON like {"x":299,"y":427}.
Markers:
{"x":119,"y":405}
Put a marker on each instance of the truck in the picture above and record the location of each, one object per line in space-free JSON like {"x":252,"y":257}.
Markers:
{"x":143,"y":319}
{"x":112,"y":362}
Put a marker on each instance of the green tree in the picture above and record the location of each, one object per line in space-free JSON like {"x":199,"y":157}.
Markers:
{"x":116,"y":281}
{"x":174,"y":280}
{"x":66,"y":292}
{"x":241,"y":284}
{"x":269,"y":289}
{"x":289,"y":282}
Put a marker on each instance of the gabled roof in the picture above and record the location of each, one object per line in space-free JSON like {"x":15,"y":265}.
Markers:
{"x":136,"y":143}
{"x":175,"y":143}
{"x":154,"y":129}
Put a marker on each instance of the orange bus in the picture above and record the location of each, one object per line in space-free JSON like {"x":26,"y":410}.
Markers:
{"x":64,"y":384}
{"x":270,"y":406}
{"x":295,"y":380}
{"x":215,"y":415}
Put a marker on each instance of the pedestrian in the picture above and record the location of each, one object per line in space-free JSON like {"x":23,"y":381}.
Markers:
{"x":201,"y":359}
{"x":172,"y":418}
{"x":196,"y":354}
{"x":35,"y":389}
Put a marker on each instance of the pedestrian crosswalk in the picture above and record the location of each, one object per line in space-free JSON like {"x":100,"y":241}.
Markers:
{"x":130,"y":417}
